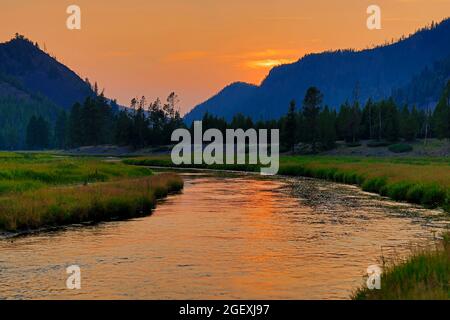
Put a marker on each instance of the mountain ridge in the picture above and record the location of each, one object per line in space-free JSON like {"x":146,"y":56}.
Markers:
{"x":40,"y":73}
{"x":340,"y":75}
{"x":32,"y":83}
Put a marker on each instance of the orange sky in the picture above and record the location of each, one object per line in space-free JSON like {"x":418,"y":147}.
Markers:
{"x":195,"y":47}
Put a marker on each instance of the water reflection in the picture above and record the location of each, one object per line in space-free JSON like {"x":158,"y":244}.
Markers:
{"x":224,"y":237}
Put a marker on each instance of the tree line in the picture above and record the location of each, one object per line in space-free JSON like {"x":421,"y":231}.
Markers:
{"x":320,"y":127}
{"x":99,"y":121}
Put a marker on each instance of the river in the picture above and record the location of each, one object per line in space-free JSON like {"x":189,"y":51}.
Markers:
{"x":225,"y":237}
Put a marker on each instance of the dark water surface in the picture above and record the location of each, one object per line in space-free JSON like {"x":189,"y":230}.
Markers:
{"x":225,"y":237}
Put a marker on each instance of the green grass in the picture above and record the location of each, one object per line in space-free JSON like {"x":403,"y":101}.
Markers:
{"x":24,"y":172}
{"x":49,"y":207}
{"x":424,"y":181}
{"x":42,"y":190}
{"x":425,"y":275}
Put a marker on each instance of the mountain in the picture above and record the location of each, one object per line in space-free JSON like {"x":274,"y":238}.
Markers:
{"x":232,"y":96}
{"x":340,"y":75}
{"x":33,"y":83}
{"x":426,"y":88}
{"x":41,"y":74}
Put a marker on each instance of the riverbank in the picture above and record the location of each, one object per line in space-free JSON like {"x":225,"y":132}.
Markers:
{"x":423,"y":181}
{"x":44,"y":191}
{"x":423,"y":276}
{"x":365,"y":148}
{"x":21,"y":172}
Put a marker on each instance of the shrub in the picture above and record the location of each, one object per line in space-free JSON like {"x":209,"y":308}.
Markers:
{"x":338,"y":176}
{"x":398,"y":191}
{"x":400,"y":148}
{"x":353,"y":144}
{"x":374,"y":184}
{"x":352,"y":178}
{"x":378,"y":144}
{"x":447,"y":202}
{"x":415,"y":194}
{"x":434,"y":196}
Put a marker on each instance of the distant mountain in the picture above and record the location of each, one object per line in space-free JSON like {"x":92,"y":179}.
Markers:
{"x":40,"y":74}
{"x":232,"y":96}
{"x":425,"y":88}
{"x":339,"y":75}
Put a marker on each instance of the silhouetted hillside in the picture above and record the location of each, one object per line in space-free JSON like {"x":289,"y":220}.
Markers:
{"x":39,"y":73}
{"x":340,"y":75}
{"x":32,"y":83}
{"x":232,"y":96}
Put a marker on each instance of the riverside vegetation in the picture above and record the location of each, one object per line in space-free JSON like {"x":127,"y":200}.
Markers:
{"x":424,"y":181}
{"x":40,"y":190}
{"x":425,"y":275}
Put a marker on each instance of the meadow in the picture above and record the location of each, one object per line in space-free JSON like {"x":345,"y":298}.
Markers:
{"x":424,"y":181}
{"x":44,"y":190}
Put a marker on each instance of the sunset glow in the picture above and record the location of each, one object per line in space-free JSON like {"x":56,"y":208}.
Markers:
{"x":268,"y":63}
{"x":135,"y":47}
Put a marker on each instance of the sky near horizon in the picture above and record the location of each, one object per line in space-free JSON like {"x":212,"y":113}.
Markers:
{"x":196,"y":47}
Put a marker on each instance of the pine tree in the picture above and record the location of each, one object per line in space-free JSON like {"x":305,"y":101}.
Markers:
{"x":391,"y":129}
{"x":76,"y":134}
{"x":291,"y":127}
{"x":61,"y":130}
{"x":327,"y":129}
{"x":123,"y":129}
{"x":311,"y":110}
{"x":43,"y":133}
{"x":367,"y":120}
{"x":32,"y":133}
{"x":409,"y":123}
{"x":38,"y":133}
{"x":349,"y":122}
{"x":441,"y":115}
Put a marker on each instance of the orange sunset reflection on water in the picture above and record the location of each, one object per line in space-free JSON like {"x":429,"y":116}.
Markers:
{"x":223,"y":238}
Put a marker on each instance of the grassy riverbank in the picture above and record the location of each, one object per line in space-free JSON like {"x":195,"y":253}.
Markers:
{"x":424,"y":181}
{"x":425,"y":275}
{"x":20,"y":172}
{"x":38,"y":191}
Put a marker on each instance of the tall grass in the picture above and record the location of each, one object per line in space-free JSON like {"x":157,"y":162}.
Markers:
{"x":424,"y":181}
{"x":82,"y":203}
{"x":23,"y":172}
{"x":425,"y":275}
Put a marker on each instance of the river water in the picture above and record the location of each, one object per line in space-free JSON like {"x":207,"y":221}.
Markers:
{"x":224,"y":237}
